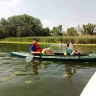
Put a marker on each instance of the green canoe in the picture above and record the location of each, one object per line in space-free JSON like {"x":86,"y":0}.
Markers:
{"x":59,"y":57}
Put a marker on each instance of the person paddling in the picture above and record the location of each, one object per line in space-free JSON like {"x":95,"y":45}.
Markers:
{"x":35,"y":49}
{"x":60,"y":44}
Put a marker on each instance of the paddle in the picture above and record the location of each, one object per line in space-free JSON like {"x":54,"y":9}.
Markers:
{"x":29,"y":58}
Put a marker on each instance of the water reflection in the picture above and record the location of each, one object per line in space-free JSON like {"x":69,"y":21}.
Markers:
{"x":44,"y":65}
{"x":35,"y":64}
{"x":70,"y":71}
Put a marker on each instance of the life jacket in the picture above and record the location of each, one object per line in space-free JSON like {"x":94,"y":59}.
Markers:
{"x":38,"y":48}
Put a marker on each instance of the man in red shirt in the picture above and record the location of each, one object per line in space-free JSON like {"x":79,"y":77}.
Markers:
{"x":36,"y":49}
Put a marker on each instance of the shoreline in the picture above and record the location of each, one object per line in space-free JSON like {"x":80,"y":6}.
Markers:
{"x":12,"y":42}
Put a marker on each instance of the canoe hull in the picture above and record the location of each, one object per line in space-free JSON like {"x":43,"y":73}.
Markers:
{"x":59,"y":57}
{"x":90,"y":88}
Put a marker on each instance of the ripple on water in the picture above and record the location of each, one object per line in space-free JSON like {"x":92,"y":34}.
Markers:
{"x":3,"y":54}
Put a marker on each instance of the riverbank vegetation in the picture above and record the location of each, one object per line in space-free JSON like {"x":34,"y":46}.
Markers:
{"x":64,"y":39}
{"x":21,"y":28}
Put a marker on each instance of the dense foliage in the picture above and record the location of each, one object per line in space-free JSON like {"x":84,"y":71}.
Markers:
{"x":25,"y":25}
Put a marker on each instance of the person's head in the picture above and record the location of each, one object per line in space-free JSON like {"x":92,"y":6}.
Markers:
{"x":68,"y":44}
{"x":35,"y":39}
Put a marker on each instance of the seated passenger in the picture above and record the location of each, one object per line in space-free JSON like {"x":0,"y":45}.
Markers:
{"x":36,"y":49}
{"x":69,"y":51}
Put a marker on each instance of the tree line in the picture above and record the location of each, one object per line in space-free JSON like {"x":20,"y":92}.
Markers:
{"x":26,"y":25}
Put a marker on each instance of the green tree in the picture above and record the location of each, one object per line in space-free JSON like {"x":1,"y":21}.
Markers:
{"x":64,"y":33}
{"x":21,"y":25}
{"x":59,"y":30}
{"x":72,"y":32}
{"x":53,"y":31}
{"x":80,"y":30}
{"x":89,"y":29}
{"x":46,"y":32}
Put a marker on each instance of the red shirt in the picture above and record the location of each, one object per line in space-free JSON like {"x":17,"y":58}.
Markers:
{"x":35,"y":47}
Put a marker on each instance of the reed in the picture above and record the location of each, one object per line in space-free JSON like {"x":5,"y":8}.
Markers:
{"x":65,"y":39}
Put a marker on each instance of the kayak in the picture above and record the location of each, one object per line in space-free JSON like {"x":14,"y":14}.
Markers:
{"x":59,"y":56}
{"x":20,"y":54}
{"x":90,"y":88}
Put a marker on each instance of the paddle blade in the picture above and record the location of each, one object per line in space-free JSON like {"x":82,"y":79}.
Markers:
{"x":29,"y":58}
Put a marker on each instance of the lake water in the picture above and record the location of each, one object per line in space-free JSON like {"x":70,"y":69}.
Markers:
{"x":42,"y":78}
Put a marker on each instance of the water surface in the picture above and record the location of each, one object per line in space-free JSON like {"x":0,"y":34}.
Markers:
{"x":42,"y":78}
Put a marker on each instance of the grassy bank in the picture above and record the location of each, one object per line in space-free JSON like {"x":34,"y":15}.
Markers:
{"x":13,"y":42}
{"x":65,"y":39}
